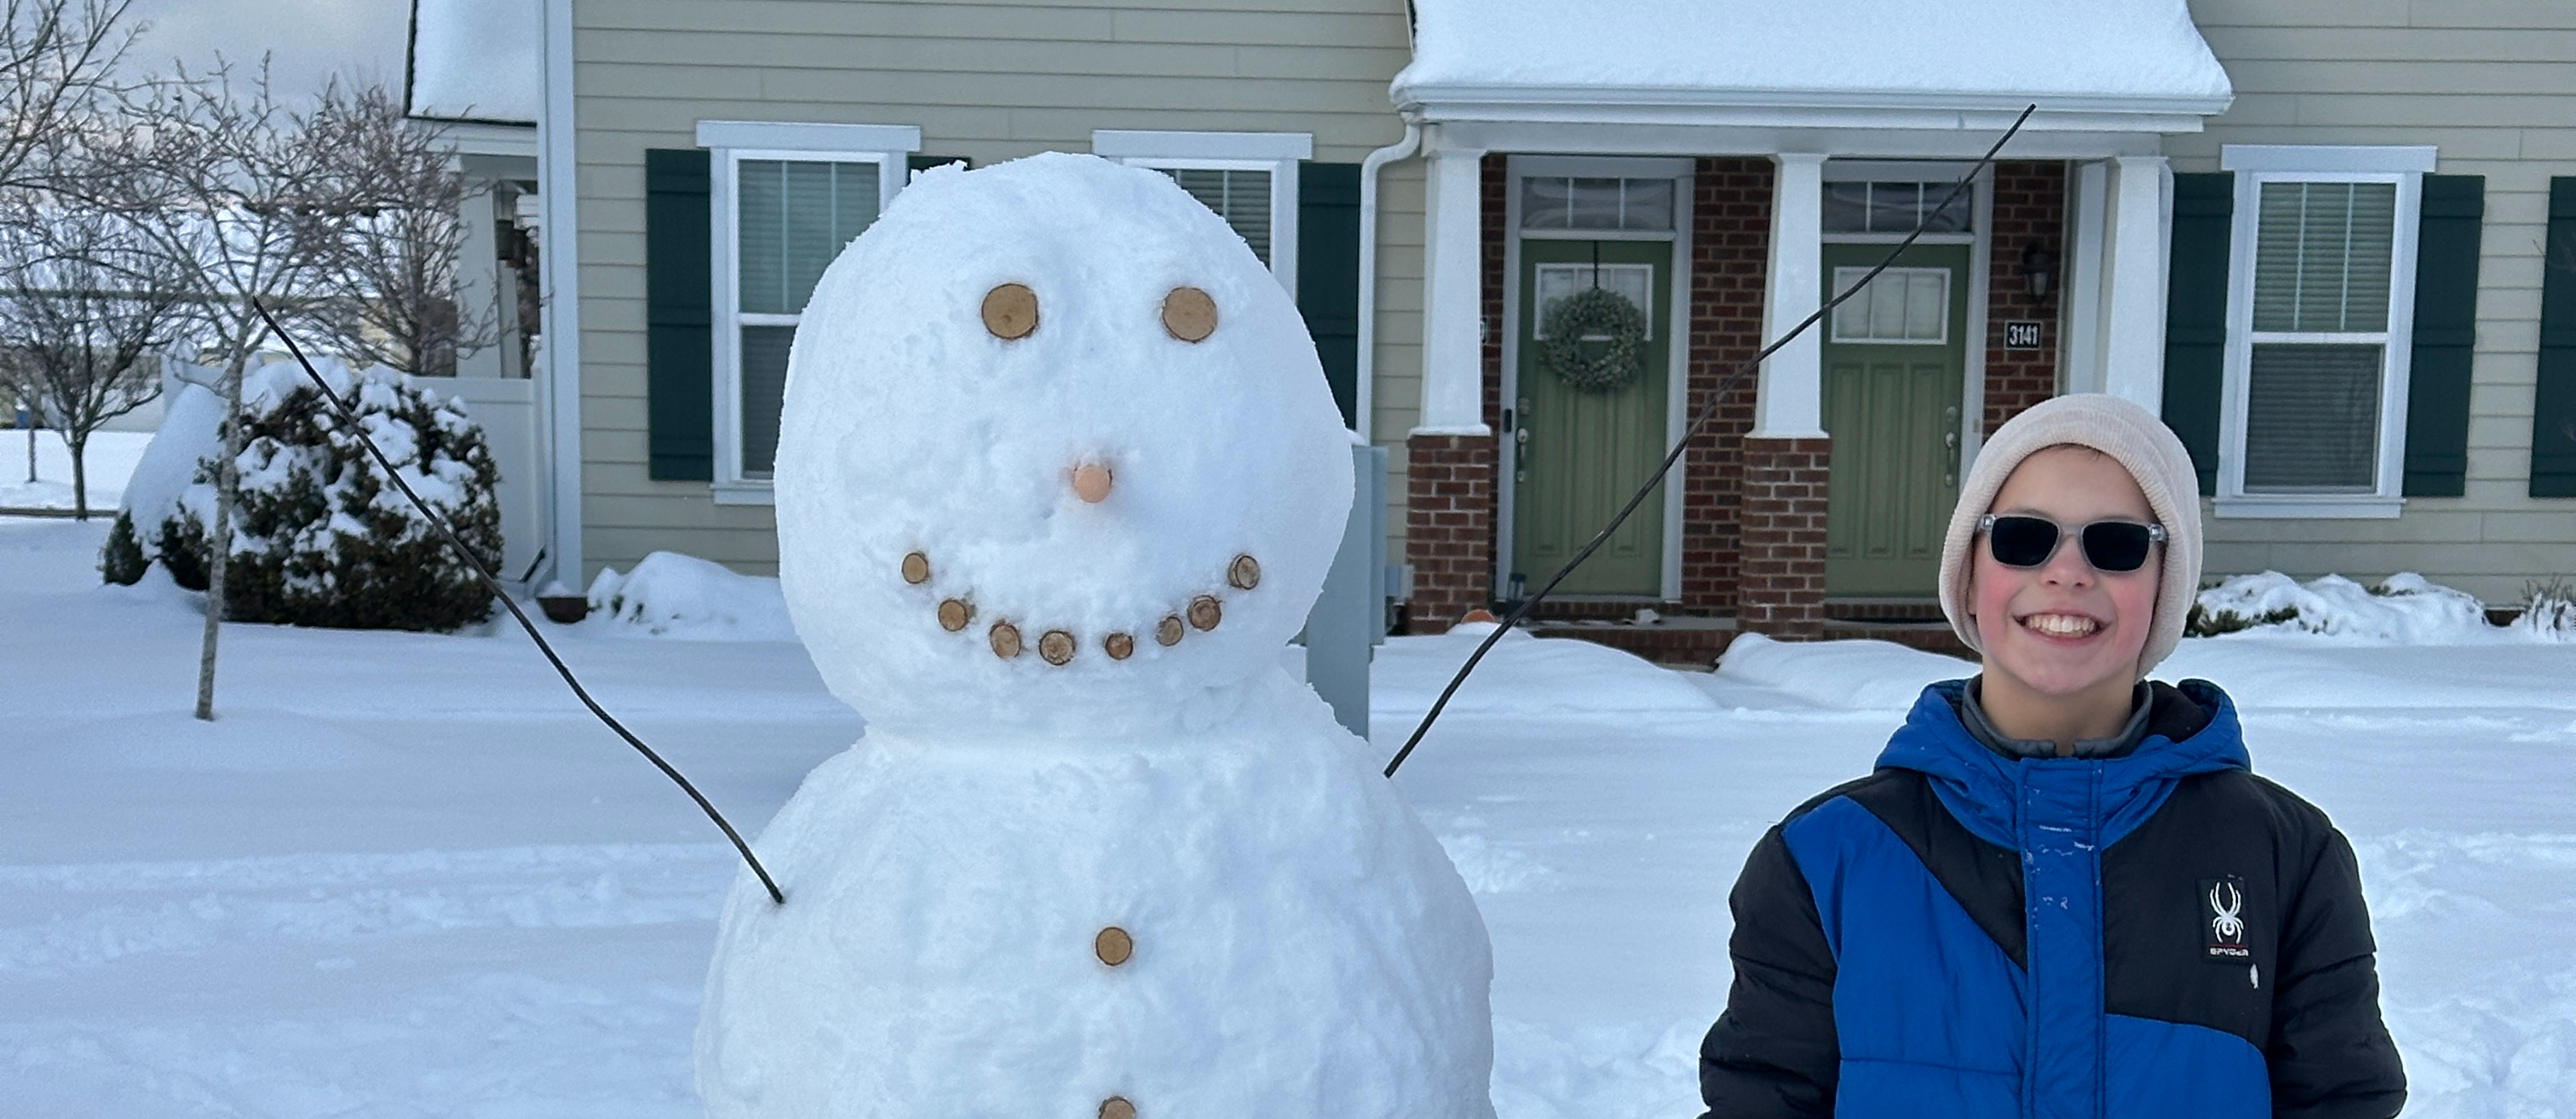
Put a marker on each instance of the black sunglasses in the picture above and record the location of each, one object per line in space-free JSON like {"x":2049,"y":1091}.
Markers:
{"x":2024,"y":541}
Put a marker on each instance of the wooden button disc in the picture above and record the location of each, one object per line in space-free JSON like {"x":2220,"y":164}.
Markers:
{"x":1119,"y":646}
{"x":1117,"y":1107}
{"x":916,"y":569}
{"x":1190,"y":314}
{"x":1169,"y":631}
{"x":1055,"y":646}
{"x":1010,"y":311}
{"x":1113,"y":946}
{"x":954,"y":614}
{"x":1245,"y":573}
{"x":1205,"y":612}
{"x":1006,"y":640}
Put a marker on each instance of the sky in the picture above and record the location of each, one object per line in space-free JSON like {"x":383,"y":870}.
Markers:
{"x":307,"y":40}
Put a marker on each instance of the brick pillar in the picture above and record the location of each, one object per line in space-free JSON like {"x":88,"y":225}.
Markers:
{"x":1783,"y":581}
{"x":1449,"y":527}
{"x":2030,"y":209}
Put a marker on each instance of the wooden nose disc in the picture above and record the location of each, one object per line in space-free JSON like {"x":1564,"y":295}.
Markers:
{"x":1189,"y":314}
{"x":1055,"y":646}
{"x":1117,"y":1107}
{"x":954,"y":614}
{"x":1119,"y":646}
{"x":1006,"y":640}
{"x":916,"y":569}
{"x":1113,"y":946}
{"x":1010,"y":311}
{"x":1244,"y":574}
{"x":1169,"y":631}
{"x":1205,"y":612}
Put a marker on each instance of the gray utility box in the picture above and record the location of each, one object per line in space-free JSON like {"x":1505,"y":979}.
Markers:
{"x":1349,"y":618}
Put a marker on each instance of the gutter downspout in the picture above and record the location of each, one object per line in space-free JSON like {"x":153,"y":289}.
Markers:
{"x":1363,"y":417}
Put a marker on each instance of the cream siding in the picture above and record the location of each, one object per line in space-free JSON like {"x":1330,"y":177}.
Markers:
{"x":2487,"y":83}
{"x":987,"y":82}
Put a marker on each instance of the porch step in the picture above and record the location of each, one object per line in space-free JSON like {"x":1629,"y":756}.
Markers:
{"x":1931,"y":637}
{"x":1681,"y":641}
{"x":1892,"y":608}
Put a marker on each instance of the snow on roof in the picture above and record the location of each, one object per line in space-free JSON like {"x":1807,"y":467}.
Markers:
{"x":2104,"y":53}
{"x":474,"y":60}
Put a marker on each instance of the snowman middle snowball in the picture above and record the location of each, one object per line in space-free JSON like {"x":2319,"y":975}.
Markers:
{"x":1057,"y":477}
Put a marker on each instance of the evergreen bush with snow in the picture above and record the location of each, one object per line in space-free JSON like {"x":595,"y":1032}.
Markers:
{"x":320,"y":536}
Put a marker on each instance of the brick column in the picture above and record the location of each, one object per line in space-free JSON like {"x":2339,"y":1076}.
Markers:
{"x":1449,"y":527}
{"x":1783,"y":581}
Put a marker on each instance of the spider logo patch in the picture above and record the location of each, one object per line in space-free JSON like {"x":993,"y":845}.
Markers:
{"x":2223,"y":918}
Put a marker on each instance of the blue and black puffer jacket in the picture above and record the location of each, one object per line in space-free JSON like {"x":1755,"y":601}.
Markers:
{"x":1965,"y":934}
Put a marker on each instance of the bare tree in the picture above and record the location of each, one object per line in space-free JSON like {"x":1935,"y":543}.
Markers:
{"x":244,"y":199}
{"x":56,"y":58}
{"x":84,"y":306}
{"x":395,"y":264}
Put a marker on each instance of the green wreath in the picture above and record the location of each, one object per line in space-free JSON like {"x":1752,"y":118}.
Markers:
{"x":1594,"y":311}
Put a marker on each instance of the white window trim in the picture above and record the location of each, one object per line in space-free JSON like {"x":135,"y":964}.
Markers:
{"x":2256,"y":165}
{"x":1275,"y":152}
{"x":729,"y":143}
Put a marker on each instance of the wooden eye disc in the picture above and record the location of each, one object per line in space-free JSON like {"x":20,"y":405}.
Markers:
{"x":1006,"y":640}
{"x":916,"y":569}
{"x":1205,"y":612}
{"x":1169,"y":632}
{"x":1055,"y":646}
{"x":954,"y":614}
{"x":1117,"y":1107}
{"x":1010,"y":311}
{"x":1244,"y":574}
{"x":1113,"y":946}
{"x":1190,"y":314}
{"x":1119,"y":646}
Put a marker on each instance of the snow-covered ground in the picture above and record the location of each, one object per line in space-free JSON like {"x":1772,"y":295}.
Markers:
{"x":407,"y":875}
{"x":111,"y":459}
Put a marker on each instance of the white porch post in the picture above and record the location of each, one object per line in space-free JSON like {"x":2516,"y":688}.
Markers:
{"x":2083,"y":286}
{"x":1789,"y":398}
{"x":1452,"y":346}
{"x":2132,"y":364}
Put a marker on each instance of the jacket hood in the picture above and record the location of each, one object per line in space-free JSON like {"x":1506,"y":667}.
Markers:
{"x":1983,"y":788}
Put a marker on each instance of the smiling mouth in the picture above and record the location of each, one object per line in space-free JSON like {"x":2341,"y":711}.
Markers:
{"x":1059,"y":645}
{"x":2061,"y":625}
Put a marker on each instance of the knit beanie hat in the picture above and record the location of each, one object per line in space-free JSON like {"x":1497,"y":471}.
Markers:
{"x":2134,"y":438}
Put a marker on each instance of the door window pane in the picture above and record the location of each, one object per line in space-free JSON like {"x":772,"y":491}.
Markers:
{"x":795,"y":217}
{"x":764,"y":392}
{"x":1242,"y":198}
{"x":1559,"y":202}
{"x":2312,"y":418}
{"x":1558,"y":281}
{"x":2321,"y":257}
{"x":1903,"y":305}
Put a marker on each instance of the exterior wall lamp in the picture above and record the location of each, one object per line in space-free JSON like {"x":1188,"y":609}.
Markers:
{"x":2039,"y":267}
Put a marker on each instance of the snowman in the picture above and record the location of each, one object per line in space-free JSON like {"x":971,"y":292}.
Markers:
{"x":1057,"y":479}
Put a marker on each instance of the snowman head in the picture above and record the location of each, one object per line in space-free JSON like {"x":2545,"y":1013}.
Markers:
{"x":1056,"y":452}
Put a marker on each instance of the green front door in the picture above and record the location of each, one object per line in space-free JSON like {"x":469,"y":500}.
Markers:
{"x":1895,"y":356}
{"x":1579,"y":454}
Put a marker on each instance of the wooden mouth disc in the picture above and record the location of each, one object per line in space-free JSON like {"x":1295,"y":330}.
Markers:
{"x":1245,"y":573}
{"x":1006,"y":640}
{"x":1055,"y":646}
{"x":1117,"y":1107}
{"x":1169,"y":632}
{"x":1011,"y":311}
{"x":1113,"y":946}
{"x":954,"y":614}
{"x":1119,"y":646}
{"x":1205,"y":613}
{"x":1189,"y":314}
{"x":916,"y":569}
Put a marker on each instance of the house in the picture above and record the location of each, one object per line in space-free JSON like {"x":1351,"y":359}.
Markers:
{"x":2334,"y":244}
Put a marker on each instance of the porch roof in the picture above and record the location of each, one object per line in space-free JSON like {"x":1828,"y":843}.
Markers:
{"x":2119,"y":65}
{"x":473,"y":60}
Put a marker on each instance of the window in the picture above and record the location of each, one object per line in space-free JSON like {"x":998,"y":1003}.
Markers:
{"x":1874,"y":207}
{"x":1248,"y":178}
{"x":1906,"y":306}
{"x":1559,"y":202}
{"x":2320,"y":301}
{"x":787,"y":199}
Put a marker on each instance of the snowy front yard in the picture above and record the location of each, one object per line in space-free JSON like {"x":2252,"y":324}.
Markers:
{"x":408,"y":875}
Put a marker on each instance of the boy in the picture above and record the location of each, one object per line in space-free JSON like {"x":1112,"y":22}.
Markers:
{"x":2062,"y":893}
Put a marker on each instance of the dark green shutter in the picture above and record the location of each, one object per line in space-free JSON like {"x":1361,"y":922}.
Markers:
{"x":2196,"y":316}
{"x":679,"y":341}
{"x":1328,"y":274}
{"x":2446,"y":335}
{"x":2553,"y":406}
